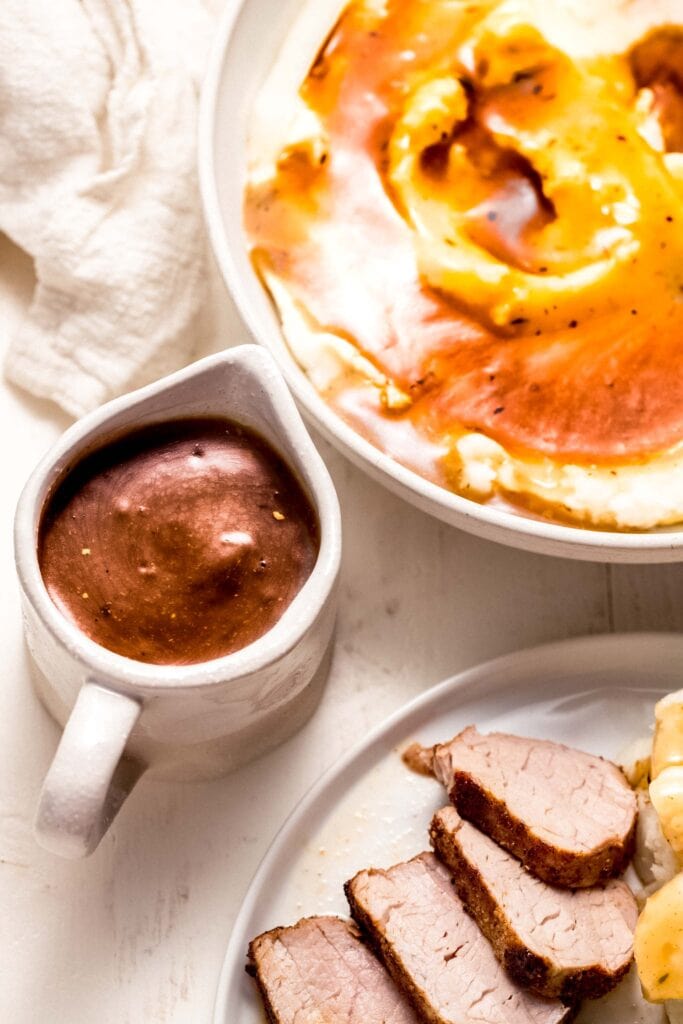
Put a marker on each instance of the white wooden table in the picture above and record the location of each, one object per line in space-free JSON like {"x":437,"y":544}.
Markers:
{"x":135,"y":934}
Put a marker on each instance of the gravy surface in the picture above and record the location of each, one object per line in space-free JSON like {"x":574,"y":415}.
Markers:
{"x":179,"y":543}
{"x":438,"y":173}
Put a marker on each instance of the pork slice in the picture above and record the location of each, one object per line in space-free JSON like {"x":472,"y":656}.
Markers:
{"x":570,"y":817}
{"x":436,"y":953}
{"x":559,"y":942}
{"x":320,"y":972}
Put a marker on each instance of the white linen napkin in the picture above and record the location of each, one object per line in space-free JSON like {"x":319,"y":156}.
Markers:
{"x":98,"y":183}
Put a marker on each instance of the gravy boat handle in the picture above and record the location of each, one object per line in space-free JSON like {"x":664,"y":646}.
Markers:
{"x":89,"y":777}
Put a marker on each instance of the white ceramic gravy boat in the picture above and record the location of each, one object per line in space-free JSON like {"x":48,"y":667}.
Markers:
{"x":125,"y":718}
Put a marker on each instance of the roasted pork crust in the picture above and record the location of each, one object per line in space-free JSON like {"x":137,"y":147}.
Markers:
{"x":569,"y":870}
{"x":376,"y":940}
{"x":419,"y":759}
{"x":527,"y":968}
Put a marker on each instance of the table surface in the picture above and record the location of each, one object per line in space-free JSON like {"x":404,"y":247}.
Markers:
{"x":136,"y":933}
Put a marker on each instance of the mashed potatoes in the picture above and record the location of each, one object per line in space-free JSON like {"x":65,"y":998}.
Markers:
{"x":470,"y":216}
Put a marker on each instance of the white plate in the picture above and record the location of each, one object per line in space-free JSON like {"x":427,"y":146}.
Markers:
{"x":595,"y":693}
{"x":249,"y":38}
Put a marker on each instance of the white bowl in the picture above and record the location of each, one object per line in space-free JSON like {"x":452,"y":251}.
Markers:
{"x":248,"y":40}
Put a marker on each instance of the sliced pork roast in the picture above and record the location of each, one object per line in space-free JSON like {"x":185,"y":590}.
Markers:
{"x":435,"y":951}
{"x":568,"y":816}
{"x":319,"y":972}
{"x":559,"y":942}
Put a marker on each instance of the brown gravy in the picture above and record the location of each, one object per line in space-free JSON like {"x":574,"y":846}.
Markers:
{"x":177,"y":543}
{"x":599,"y":388}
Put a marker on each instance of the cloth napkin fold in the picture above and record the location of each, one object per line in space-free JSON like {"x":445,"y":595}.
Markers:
{"x":98,"y":183}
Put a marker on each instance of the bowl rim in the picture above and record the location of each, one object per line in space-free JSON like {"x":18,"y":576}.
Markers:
{"x":126,"y":674}
{"x":516,"y":530}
